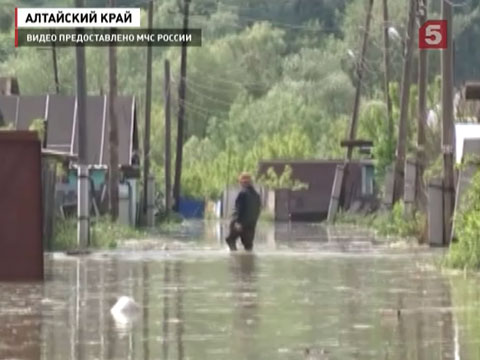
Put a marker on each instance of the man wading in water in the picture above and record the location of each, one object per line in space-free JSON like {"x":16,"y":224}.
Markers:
{"x":245,"y":216}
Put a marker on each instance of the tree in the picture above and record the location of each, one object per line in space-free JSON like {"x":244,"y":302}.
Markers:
{"x":283,"y":181}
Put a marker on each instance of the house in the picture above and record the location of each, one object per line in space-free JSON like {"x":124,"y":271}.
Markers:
{"x":61,"y":123}
{"x":311,"y":204}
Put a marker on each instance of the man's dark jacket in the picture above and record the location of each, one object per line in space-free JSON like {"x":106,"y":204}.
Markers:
{"x":247,"y":207}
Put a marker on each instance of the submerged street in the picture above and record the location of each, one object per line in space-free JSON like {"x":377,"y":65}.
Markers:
{"x":305,"y":292}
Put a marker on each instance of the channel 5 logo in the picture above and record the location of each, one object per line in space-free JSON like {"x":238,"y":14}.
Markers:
{"x":433,"y":35}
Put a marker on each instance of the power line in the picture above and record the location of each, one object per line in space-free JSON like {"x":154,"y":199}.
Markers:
{"x":278,"y":23}
{"x":273,"y":22}
{"x":216,"y":89}
{"x":237,"y":83}
{"x":206,"y":111}
{"x":223,"y":102}
{"x":230,"y":82}
{"x":465,"y":3}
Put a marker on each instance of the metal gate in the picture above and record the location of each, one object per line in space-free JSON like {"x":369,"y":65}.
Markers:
{"x":21,"y":248}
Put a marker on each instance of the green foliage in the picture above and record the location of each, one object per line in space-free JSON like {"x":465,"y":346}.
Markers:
{"x":65,"y":234}
{"x":272,"y":80}
{"x":38,"y":125}
{"x":104,"y":234}
{"x":392,"y":223}
{"x":283,"y":181}
{"x":374,"y":126}
{"x":208,"y":173}
{"x":435,"y":170}
{"x":465,"y":294}
{"x":396,"y":223}
{"x":353,"y":29}
{"x":6,"y":18}
{"x":465,"y":253}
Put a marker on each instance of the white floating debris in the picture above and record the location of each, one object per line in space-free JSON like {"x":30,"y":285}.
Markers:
{"x":125,"y":310}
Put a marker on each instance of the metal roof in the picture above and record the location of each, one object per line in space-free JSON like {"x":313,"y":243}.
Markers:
{"x":60,"y":111}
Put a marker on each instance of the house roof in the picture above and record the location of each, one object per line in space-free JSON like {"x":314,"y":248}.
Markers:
{"x":60,"y":111}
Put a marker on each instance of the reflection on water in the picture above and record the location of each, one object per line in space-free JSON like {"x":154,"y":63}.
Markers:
{"x":20,"y":321}
{"x":245,"y":306}
{"x":242,"y":306}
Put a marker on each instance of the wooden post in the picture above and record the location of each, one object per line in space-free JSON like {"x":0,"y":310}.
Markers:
{"x":83,"y":221}
{"x":447,"y":121}
{"x":435,"y":212}
{"x":150,"y":218}
{"x":386,"y":58}
{"x":148,"y":108}
{"x":340,"y":176}
{"x":181,"y":110}
{"x":168,"y":176}
{"x":336,"y":192}
{"x":113,"y":178}
{"x":404,"y":103}
{"x":410,"y":187}
{"x":360,"y":71}
{"x":55,"y":68}
{"x":420,"y":196}
{"x":49,"y":171}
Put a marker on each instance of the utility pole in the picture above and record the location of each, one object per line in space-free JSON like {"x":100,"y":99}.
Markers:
{"x":447,"y":121}
{"x":83,"y":221}
{"x":113,"y":134}
{"x":181,"y":110}
{"x":341,"y":173}
{"x":404,"y":103}
{"x":360,"y":71}
{"x":55,"y":68}
{"x":168,"y":176}
{"x":148,"y":111}
{"x":386,"y":58}
{"x":421,"y":198}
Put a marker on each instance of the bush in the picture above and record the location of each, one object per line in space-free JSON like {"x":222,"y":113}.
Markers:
{"x":465,"y":253}
{"x":65,"y":234}
{"x":285,"y":181}
{"x":393,"y":223}
{"x":105,"y":233}
{"x":396,"y":224}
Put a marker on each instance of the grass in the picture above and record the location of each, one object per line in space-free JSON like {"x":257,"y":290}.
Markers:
{"x":168,"y":223}
{"x":104,"y":234}
{"x":465,"y":252}
{"x":393,"y":223}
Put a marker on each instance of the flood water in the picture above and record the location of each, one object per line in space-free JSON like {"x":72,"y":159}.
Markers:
{"x":338,"y":293}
